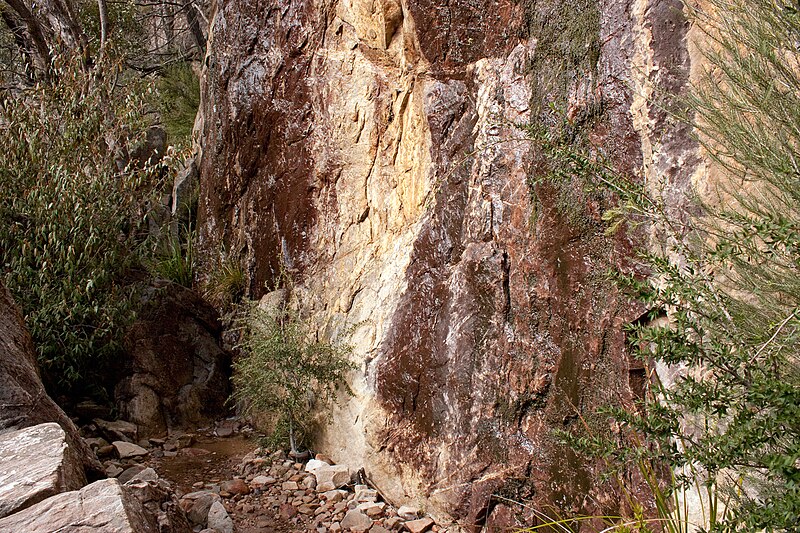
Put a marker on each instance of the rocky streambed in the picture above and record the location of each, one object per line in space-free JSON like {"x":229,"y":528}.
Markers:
{"x":212,"y":480}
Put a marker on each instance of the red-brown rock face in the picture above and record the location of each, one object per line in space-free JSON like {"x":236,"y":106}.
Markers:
{"x":370,"y":146}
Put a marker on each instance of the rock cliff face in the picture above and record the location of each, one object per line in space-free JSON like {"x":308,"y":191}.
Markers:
{"x":370,"y":148}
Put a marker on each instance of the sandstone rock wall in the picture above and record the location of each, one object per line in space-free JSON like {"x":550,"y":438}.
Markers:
{"x":369,"y":147}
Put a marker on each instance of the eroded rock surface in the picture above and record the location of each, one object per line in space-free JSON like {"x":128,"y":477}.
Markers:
{"x":36,"y":463}
{"x":104,"y":506}
{"x":370,"y":149}
{"x":177,"y":375}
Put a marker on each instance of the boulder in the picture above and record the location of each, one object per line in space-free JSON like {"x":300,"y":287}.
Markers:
{"x":218,"y":518}
{"x":102,"y":507}
{"x":176,"y":374}
{"x":330,"y":477}
{"x":22,"y":394}
{"x":36,"y":463}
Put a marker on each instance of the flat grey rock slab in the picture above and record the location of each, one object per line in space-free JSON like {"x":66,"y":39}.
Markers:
{"x":36,"y":463}
{"x":104,"y":506}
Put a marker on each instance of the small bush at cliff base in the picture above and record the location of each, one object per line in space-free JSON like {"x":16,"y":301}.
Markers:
{"x":282,"y":372}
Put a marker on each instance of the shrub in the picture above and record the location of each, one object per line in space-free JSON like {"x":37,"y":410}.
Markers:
{"x":282,"y":371}
{"x":728,"y":279}
{"x":174,"y":258}
{"x":69,"y":212}
{"x":226,"y":282}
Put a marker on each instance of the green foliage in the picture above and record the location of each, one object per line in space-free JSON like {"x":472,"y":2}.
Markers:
{"x":127,"y":29}
{"x":175,"y":260}
{"x":226,"y":283}
{"x":68,"y":213}
{"x":567,"y":47}
{"x":568,"y":165}
{"x":179,"y":99}
{"x":728,"y":280}
{"x":282,"y":371}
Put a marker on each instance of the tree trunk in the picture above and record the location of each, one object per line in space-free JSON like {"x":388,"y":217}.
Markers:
{"x":292,"y":443}
{"x":25,"y":46}
{"x":35,"y":33}
{"x":103,"y":10}
{"x":193,"y":17}
{"x":65,"y":25}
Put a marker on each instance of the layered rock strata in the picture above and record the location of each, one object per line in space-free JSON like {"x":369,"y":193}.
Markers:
{"x":36,"y":463}
{"x":371,"y":149}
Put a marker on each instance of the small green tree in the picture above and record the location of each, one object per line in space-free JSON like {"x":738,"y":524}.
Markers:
{"x":282,"y":371}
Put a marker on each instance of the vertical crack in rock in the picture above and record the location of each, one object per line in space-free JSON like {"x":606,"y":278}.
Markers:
{"x":370,"y":145}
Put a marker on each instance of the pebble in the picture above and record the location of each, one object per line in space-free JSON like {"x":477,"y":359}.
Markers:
{"x":113,"y":471}
{"x":128,"y":449}
{"x":355,"y":520}
{"x":365,"y":494}
{"x":408,"y":512}
{"x":313,"y":464}
{"x":266,"y":492}
{"x":129,"y":473}
{"x":235,"y":486}
{"x":393,"y":522}
{"x":419,"y":526}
